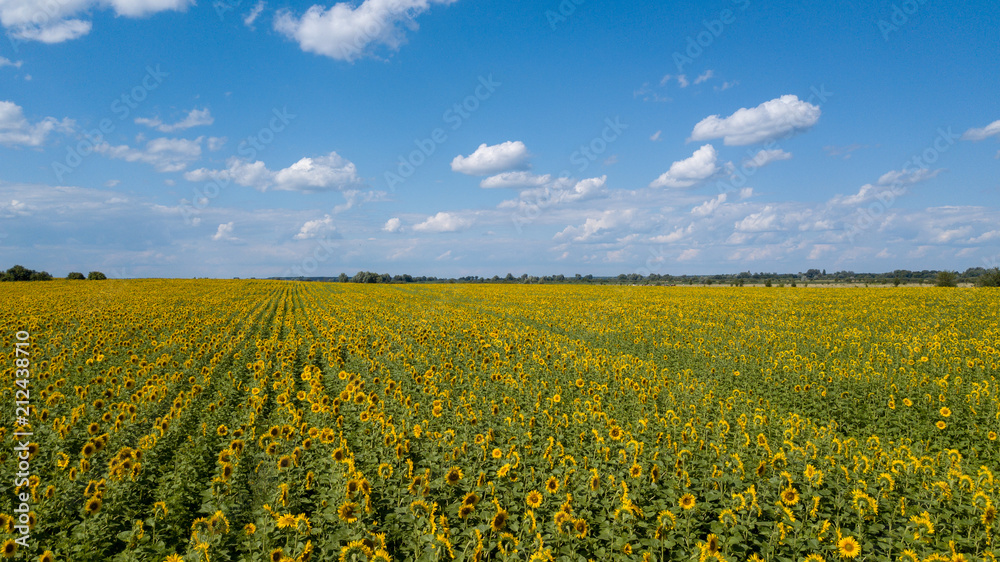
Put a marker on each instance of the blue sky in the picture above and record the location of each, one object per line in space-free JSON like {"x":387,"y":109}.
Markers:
{"x":150,"y":138}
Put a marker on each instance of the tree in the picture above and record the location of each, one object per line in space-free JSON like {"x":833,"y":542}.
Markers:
{"x":343,"y":278}
{"x":946,"y":279}
{"x":75,"y":275}
{"x":989,"y":279}
{"x":18,"y":273}
{"x":40,"y":276}
{"x":897,"y":281}
{"x":96,"y":276}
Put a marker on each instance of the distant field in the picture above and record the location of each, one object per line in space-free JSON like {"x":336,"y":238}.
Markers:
{"x":264,"y":420}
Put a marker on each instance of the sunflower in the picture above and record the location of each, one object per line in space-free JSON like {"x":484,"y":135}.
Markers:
{"x":534,"y":499}
{"x":288,"y":520}
{"x":847,"y":547}
{"x":227,"y":471}
{"x":945,"y":412}
{"x":654,"y":473}
{"x":552,"y":485}
{"x":222,"y":430}
{"x":992,"y":436}
{"x":276,"y":555}
{"x":348,"y":511}
{"x":8,"y":549}
{"x":47,"y":556}
{"x":581,"y":528}
{"x":465,"y":511}
{"x":635,"y":471}
{"x":93,"y":428}
{"x":88,"y":450}
{"x":284,"y":462}
{"x":174,"y":558}
{"x":249,"y":529}
{"x":497,"y":453}
{"x":454,"y":475}
{"x":595,"y":481}
{"x":712,"y":543}
{"x":790,"y":496}
{"x":615,"y":433}
{"x":989,"y":515}
{"x":686,"y":502}
{"x":93,"y":505}
{"x":814,"y":558}
{"x":338,"y":454}
{"x":499,"y":520}
{"x":941,"y":425}
{"x":727,"y":517}
{"x":470,"y":499}
{"x":385,"y":470}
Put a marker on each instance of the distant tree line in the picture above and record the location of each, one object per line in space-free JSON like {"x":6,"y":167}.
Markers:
{"x":21,"y":273}
{"x":979,"y":276}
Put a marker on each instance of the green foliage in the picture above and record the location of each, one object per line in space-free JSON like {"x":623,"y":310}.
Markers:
{"x":946,"y":279}
{"x":96,"y":276}
{"x":75,"y":275}
{"x":989,"y":279}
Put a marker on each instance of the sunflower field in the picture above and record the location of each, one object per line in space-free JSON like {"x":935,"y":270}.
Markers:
{"x":213,"y":421}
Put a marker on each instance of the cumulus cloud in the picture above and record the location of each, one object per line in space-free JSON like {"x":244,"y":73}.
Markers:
{"x":7,"y":62}
{"x":15,"y":129}
{"x":225,"y":232}
{"x":990,"y":130}
{"x":164,"y":154}
{"x":709,"y":207}
{"x":515,"y":179}
{"x":770,"y":120}
{"x":765,"y":157}
{"x":685,"y":173}
{"x":315,"y":228}
{"x":444,"y":222}
{"x":688,"y":254}
{"x":393,"y":225}
{"x":595,"y":225}
{"x":763,"y":221}
{"x":704,"y":77}
{"x":54,"y":22}
{"x":325,"y":173}
{"x":347,"y":32}
{"x":195,"y":118}
{"x":487,"y":160}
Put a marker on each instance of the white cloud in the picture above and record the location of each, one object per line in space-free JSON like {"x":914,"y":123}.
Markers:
{"x":656,"y":136}
{"x":515,"y":179}
{"x":443,"y":256}
{"x":688,"y":254}
{"x":903,"y":177}
{"x":709,"y":207}
{"x":216,"y":143}
{"x":15,"y":129}
{"x":726,"y":85}
{"x":324,"y":173}
{"x":7,"y":62}
{"x":704,"y":77}
{"x":981,"y":134}
{"x":53,"y":22}
{"x":443,"y":222}
{"x":112,"y":183}
{"x":225,"y":232}
{"x":562,"y":190}
{"x":765,"y":157}
{"x":594,"y":225}
{"x":164,"y":154}
{"x":770,"y":120}
{"x":487,"y":160}
{"x":685,"y":173}
{"x":315,"y":228}
{"x":393,"y":225}
{"x":683,"y":81}
{"x":347,"y":32}
{"x":758,"y":222}
{"x":353,"y":197}
{"x":195,"y":118}
{"x":254,"y":13}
